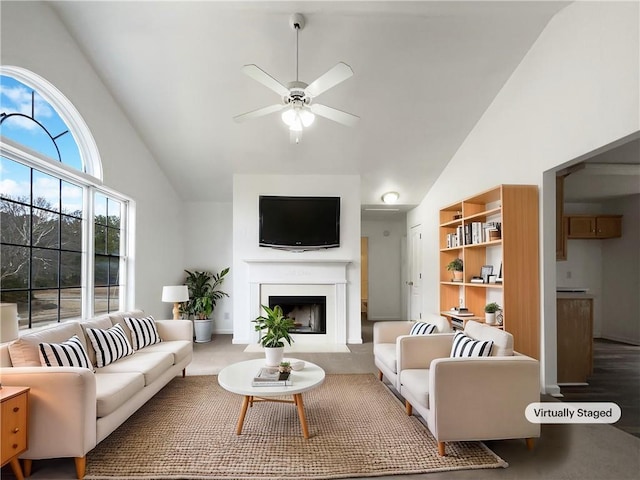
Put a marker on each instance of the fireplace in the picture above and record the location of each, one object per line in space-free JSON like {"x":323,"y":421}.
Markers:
{"x":309,"y":313}
{"x":294,"y":280}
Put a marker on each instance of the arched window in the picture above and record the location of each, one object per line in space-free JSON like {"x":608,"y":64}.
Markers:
{"x":63,"y":234}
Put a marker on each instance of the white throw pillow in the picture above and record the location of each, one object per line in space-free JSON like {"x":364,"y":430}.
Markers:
{"x":143,"y":331}
{"x":110,"y":345}
{"x":422,"y":328}
{"x":464,"y":346}
{"x":66,"y":354}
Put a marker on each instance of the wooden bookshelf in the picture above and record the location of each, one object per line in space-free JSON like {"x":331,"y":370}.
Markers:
{"x":516,"y":208}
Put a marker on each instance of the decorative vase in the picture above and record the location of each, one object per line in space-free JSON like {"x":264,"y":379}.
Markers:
{"x":203,"y":329}
{"x":273,"y":356}
{"x":490,"y":318}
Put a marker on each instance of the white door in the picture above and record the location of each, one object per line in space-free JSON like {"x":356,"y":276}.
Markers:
{"x":415,"y":273}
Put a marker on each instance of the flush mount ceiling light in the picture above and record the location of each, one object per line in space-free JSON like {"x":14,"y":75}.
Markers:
{"x":297,"y":97}
{"x":390,"y":197}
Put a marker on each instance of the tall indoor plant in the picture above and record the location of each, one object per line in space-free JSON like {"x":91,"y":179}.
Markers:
{"x":277,"y":328}
{"x":204,"y":293}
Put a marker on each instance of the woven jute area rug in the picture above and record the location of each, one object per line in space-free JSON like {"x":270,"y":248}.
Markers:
{"x":357,"y":428}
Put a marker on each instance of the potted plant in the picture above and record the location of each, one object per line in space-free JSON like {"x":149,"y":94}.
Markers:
{"x":455,"y":266}
{"x":276,"y":327}
{"x":490,"y":310}
{"x":204,"y":293}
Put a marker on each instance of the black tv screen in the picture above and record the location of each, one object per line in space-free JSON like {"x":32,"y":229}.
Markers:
{"x":299,"y":222}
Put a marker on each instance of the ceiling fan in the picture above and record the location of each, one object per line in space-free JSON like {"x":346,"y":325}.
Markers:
{"x":298,"y":105}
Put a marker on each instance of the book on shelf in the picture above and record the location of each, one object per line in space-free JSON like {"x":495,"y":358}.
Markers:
{"x":463,"y":314}
{"x":271,"y":377}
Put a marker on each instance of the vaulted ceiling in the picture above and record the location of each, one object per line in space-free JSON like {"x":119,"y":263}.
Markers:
{"x":424,"y":73}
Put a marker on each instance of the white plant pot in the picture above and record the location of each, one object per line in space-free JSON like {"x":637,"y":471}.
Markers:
{"x":203,"y":329}
{"x":273,"y":355}
{"x":490,"y":318}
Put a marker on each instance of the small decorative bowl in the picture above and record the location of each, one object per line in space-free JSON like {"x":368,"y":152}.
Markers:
{"x":297,"y":365}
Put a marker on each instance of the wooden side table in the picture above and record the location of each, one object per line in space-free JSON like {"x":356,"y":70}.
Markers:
{"x":14,"y":420}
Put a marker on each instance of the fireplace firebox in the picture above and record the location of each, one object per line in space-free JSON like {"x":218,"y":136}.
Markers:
{"x":308,"y":312}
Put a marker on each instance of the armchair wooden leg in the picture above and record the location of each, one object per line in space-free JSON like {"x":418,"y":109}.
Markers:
{"x":184,"y":372}
{"x":81,"y":464}
{"x":408,"y":407}
{"x":27,"y":463}
{"x":379,"y":375}
{"x":441,"y":450}
{"x":529,"y":443}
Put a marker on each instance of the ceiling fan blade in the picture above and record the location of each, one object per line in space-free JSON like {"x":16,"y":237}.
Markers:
{"x":264,"y":78}
{"x":337,"y":74}
{"x":258,"y":113}
{"x":334,"y":114}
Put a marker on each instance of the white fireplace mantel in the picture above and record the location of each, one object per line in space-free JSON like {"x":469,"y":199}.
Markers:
{"x":303,"y":272}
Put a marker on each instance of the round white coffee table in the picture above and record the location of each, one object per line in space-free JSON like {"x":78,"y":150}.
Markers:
{"x":237,"y":378}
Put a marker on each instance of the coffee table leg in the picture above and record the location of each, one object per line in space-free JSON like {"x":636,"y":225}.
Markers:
{"x":243,"y":412}
{"x":297,"y":398}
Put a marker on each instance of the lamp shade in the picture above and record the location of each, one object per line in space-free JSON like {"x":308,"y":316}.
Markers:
{"x":8,"y":322}
{"x":175,"y":293}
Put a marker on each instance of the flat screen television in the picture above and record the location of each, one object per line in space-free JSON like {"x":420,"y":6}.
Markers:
{"x":299,"y":223}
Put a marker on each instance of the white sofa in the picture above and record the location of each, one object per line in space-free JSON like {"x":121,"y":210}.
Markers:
{"x":72,"y":409}
{"x":385,"y":344}
{"x":468,"y":399}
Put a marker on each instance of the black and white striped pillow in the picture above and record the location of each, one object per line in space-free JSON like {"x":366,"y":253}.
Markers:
{"x":422,"y":328}
{"x":143,"y":331}
{"x":70,"y":353}
{"x":464,"y":346}
{"x":110,"y":345}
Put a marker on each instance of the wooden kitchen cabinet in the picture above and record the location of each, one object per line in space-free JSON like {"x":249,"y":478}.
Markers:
{"x":575,"y":338}
{"x":594,"y":226}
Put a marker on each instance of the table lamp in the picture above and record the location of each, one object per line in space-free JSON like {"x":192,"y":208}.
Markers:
{"x":8,"y":322}
{"x":175,"y":294}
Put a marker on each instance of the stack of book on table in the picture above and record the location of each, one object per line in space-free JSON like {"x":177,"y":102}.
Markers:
{"x":271,"y":377}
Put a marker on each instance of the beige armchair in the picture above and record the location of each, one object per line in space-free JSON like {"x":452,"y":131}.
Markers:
{"x":385,"y":343}
{"x":467,"y":399}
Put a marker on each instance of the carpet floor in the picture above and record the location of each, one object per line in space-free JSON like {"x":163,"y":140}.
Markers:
{"x":357,"y":427}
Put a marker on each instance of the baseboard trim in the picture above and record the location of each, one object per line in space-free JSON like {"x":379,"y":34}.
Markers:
{"x":614,"y":338}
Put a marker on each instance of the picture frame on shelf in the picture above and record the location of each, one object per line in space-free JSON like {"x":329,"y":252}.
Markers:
{"x":499,"y":277}
{"x":485,"y":271}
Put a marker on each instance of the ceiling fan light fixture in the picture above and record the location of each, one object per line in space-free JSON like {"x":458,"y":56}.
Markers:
{"x":390,"y":197}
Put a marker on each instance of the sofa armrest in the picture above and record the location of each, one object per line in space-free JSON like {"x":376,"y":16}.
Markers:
{"x":388,"y":331}
{"x":62,"y":409}
{"x":417,"y":351}
{"x":175,"y":329}
{"x":483,"y":398}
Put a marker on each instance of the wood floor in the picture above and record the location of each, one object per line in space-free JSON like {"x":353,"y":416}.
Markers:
{"x":616,"y":378}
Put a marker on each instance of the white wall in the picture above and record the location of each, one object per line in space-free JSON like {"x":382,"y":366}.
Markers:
{"x":386,"y":292}
{"x":246,"y":190}
{"x":575,"y":90}
{"x":207,"y":234}
{"x":621,"y":274}
{"x":34,"y":38}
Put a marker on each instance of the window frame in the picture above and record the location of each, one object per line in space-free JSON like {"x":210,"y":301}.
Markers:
{"x":89,"y":180}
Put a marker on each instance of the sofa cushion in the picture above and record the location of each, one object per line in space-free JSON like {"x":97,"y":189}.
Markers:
{"x":24,"y":352}
{"x":118,"y":318}
{"x":143,"y":331}
{"x":416,"y":380}
{"x":110,"y":344}
{"x":502,"y":341}
{"x":66,"y":354}
{"x":422,"y":328}
{"x":113,"y":390}
{"x":464,"y":346}
{"x":180,"y":349}
{"x":386,"y":353}
{"x":150,"y":364}
{"x":103,"y":323}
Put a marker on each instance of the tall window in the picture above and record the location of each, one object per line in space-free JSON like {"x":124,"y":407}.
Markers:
{"x":62,"y":235}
